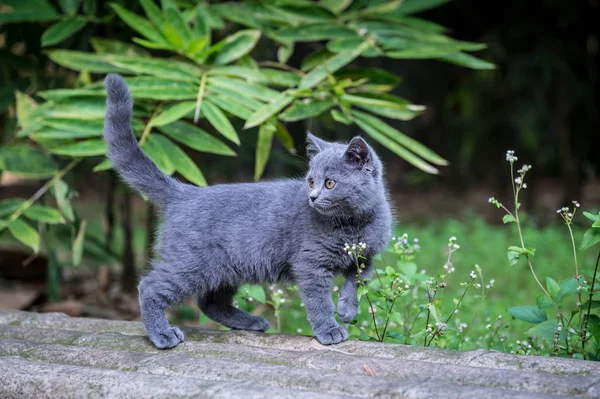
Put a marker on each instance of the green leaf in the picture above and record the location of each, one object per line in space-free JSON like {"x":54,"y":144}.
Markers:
{"x":25,"y":107}
{"x":508,"y":219}
{"x":90,"y":7}
{"x":268,"y":110}
{"x":335,"y":6}
{"x":543,"y":302}
{"x":415,"y":6}
{"x":152,"y":148}
{"x":70,"y":128}
{"x":241,"y":88}
{"x":263,"y":148}
{"x":25,"y":161}
{"x":181,"y":28}
{"x":340,"y":117}
{"x":236,"y":46}
{"x":552,"y":287}
{"x":315,"y":32}
{"x":26,"y":11}
{"x":161,"y":68}
{"x":378,"y":80}
{"x":568,"y":287}
{"x":44,"y":214}
{"x":386,"y":105}
{"x":61,"y":31}
{"x":285,"y":52}
{"x":116,"y":47}
{"x":69,"y":6}
{"x":591,"y":216}
{"x":231,"y":106}
{"x":81,"y":61}
{"x":467,"y":60}
{"x":330,"y":66}
{"x":285,"y":138}
{"x":102,"y":166}
{"x":362,"y":290}
{"x":382,"y":8}
{"x":596,"y":224}
{"x":590,"y":238}
{"x":25,"y":234}
{"x":546,"y":330}
{"x":174,"y":113}
{"x":395,"y":147}
{"x":180,"y":160}
{"x":61,"y":193}
{"x":433,"y":309}
{"x":530,"y":314}
{"x":139,"y":24}
{"x":401,"y":138}
{"x":305,"y":109}
{"x":153,"y":12}
{"x":196,"y":45}
{"x":595,"y":305}
{"x":281,"y":78}
{"x":316,"y":58}
{"x":77,"y":251}
{"x":196,"y":138}
{"x":9,"y":206}
{"x":219,"y":121}
{"x":513,"y":257}
{"x":161,"y":89}
{"x":87,"y":148}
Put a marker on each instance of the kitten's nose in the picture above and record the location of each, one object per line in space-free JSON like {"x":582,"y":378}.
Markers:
{"x":313,"y":198}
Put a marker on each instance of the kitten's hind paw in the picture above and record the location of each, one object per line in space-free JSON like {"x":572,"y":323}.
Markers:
{"x":167,"y":339}
{"x":334,"y":335}
{"x":252,"y":323}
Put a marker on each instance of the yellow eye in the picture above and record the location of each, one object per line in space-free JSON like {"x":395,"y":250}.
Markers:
{"x":329,"y":183}
{"x":311,"y":183}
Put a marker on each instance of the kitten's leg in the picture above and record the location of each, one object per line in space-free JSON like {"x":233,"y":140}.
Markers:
{"x":216,"y":305}
{"x":315,"y":289}
{"x":348,"y":300}
{"x":158,"y":290}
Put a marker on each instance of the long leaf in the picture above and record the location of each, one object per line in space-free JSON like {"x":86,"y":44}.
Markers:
{"x":27,"y":11}
{"x":243,"y":88}
{"x":395,"y":147}
{"x":78,"y":244}
{"x":152,"y":147}
{"x":401,"y":138}
{"x":268,"y":110}
{"x":25,"y":234}
{"x":85,"y":148}
{"x":139,"y":24}
{"x":180,"y":160}
{"x":302,"y":109}
{"x":217,"y":118}
{"x":159,"y":67}
{"x":116,"y":47}
{"x":61,"y":30}
{"x":60,"y":190}
{"x":263,"y":148}
{"x":161,"y":89}
{"x":44,"y":214}
{"x":315,"y":32}
{"x":236,"y":46}
{"x":468,"y":61}
{"x":174,"y":113}
{"x":330,"y":66}
{"x":81,"y":61}
{"x":196,"y":138}
{"x":25,"y":161}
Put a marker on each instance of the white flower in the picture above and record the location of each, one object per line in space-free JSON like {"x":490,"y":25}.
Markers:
{"x":416,"y":240}
{"x":406,"y":287}
{"x":491,"y":199}
{"x":349,"y":253}
{"x":510,"y":156}
{"x":336,"y":288}
{"x":518,"y":180}
{"x":472,"y":274}
{"x":492,"y":281}
{"x":524,"y":185}
{"x":299,"y":330}
{"x":417,"y":246}
{"x":440,"y":326}
{"x":282,"y":300}
{"x":488,"y":326}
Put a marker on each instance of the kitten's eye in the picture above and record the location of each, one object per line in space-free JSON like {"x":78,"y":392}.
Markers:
{"x":329,"y":183}
{"x":311,"y":183}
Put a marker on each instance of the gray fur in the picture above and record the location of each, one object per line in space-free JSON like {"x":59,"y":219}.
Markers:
{"x":214,"y":239}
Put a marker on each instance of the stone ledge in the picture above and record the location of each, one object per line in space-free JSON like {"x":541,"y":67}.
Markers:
{"x":45,"y":354}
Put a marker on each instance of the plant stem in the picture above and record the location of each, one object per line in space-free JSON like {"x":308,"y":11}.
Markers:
{"x":577,"y":277}
{"x":387,"y":318}
{"x":589,"y":309}
{"x":148,"y":127}
{"x":373,"y":314}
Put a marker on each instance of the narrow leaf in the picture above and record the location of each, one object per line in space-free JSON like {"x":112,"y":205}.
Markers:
{"x":268,"y":110}
{"x":217,"y":118}
{"x":85,"y":148}
{"x":236,"y":46}
{"x":180,"y":160}
{"x":44,"y":214}
{"x":25,"y":234}
{"x":196,"y":138}
{"x":263,"y":148}
{"x":61,"y":192}
{"x":61,"y":30}
{"x":78,"y":244}
{"x":139,"y":24}
{"x":174,"y":113}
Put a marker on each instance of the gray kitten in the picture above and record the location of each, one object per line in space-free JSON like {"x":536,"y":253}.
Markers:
{"x":214,"y":239}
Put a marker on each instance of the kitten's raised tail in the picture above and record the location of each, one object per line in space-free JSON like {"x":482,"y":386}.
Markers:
{"x":123,"y":150}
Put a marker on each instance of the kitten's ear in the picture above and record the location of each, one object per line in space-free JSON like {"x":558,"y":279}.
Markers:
{"x":314,"y":145}
{"x":358,"y":152}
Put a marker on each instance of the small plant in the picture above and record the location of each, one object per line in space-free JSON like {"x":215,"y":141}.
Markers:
{"x":409,"y":306}
{"x":573,"y":331}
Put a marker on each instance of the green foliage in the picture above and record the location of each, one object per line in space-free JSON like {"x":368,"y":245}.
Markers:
{"x":194,"y":62}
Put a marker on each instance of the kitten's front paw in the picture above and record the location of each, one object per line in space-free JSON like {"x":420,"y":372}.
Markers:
{"x":347,"y":311}
{"x":167,"y":339}
{"x":334,"y":335}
